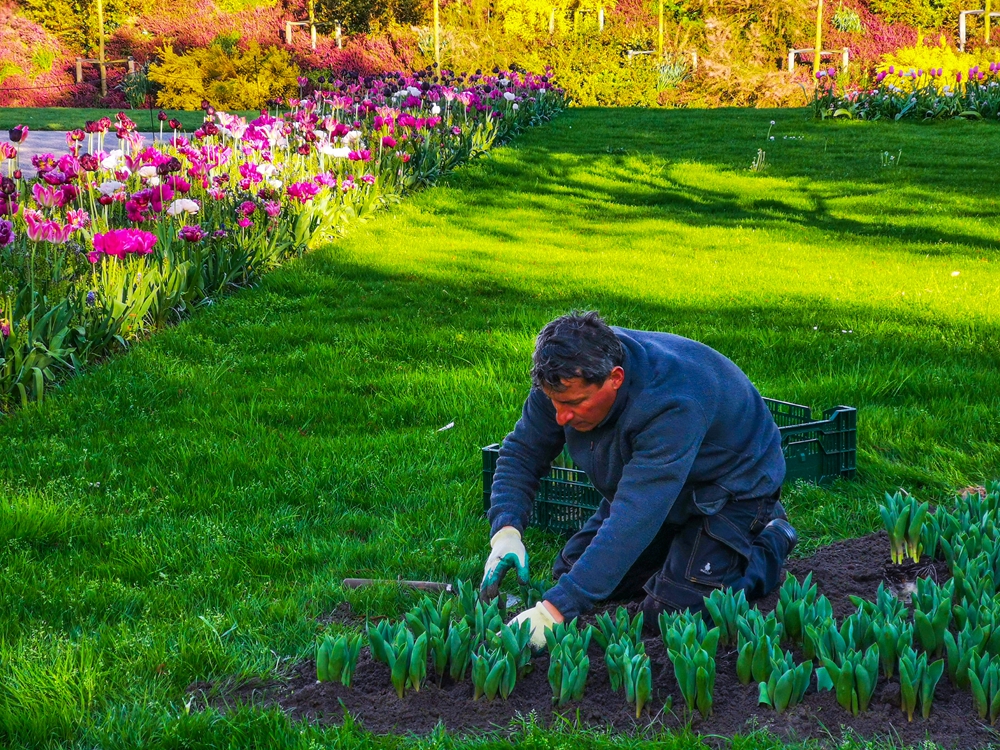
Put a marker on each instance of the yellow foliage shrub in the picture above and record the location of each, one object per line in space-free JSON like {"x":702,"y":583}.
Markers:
{"x":228,"y":79}
{"x":920,"y":59}
{"x":531,"y":18}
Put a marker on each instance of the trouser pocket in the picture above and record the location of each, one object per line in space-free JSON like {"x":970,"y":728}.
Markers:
{"x":710,"y":552}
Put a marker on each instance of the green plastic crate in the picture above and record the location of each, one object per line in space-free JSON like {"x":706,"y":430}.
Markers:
{"x":816,"y":451}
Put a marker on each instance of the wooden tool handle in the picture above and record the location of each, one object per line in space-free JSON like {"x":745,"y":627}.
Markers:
{"x":356,"y":583}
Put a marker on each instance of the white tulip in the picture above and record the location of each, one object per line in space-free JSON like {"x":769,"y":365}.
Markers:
{"x":435,"y":110}
{"x":111,"y":160}
{"x":110,"y":187}
{"x":183,"y":206}
{"x":147,"y":171}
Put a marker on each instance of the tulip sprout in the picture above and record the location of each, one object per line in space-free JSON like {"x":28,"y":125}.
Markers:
{"x":917,"y":680}
{"x":638,"y":679}
{"x":678,"y":622}
{"x":787,"y":684}
{"x":682,"y":627}
{"x":858,"y":631}
{"x":694,"y":668}
{"x":629,"y":666}
{"x":853,"y":679}
{"x":962,"y":650}
{"x":467,"y":597}
{"x":434,"y":621}
{"x":458,"y":647}
{"x":725,"y":608}
{"x":984,"y":679}
{"x":534,"y":592}
{"x":754,"y":659}
{"x":757,"y":637}
{"x":904,"y":521}
{"x":337,"y":658}
{"x":568,"y":661}
{"x":932,"y":614}
{"x":405,"y":655}
{"x":514,"y":643}
{"x":493,"y":672}
{"x":892,"y":638}
{"x":619,"y":629}
{"x":691,"y":648}
{"x":975,"y":579}
{"x":825,"y":641}
{"x":795,"y":600}
{"x":886,"y":607}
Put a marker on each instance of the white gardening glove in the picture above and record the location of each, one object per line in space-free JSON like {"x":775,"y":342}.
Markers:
{"x":508,"y":552}
{"x":541,"y":620}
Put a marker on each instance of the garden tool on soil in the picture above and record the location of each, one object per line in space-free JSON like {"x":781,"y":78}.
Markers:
{"x":507,"y":552}
{"x":357,"y":583}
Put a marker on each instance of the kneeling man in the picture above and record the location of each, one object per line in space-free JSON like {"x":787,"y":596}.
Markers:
{"x":683,"y":449}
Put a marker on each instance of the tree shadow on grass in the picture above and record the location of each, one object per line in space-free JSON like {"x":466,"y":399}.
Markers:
{"x":633,"y":197}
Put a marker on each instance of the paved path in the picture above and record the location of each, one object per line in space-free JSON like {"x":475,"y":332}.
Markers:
{"x":54,"y":142}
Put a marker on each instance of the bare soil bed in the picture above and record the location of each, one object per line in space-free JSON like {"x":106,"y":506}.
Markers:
{"x":856,"y":566}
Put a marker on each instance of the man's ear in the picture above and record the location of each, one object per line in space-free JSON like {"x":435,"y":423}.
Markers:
{"x":617,"y":377}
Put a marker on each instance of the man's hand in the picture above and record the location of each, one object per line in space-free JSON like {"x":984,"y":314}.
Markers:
{"x":508,"y":552}
{"x":543,"y":616}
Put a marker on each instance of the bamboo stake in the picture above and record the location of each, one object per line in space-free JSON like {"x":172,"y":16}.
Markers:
{"x":819,"y":36}
{"x":100,"y":48}
{"x":437,"y":34}
{"x":659,"y":45}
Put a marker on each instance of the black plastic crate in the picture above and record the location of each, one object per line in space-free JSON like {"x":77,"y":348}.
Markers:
{"x":816,"y":451}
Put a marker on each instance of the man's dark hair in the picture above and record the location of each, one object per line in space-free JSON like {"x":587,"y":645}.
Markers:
{"x":578,"y":345}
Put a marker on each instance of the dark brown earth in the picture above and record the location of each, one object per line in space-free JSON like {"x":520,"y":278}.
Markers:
{"x":855,"y":566}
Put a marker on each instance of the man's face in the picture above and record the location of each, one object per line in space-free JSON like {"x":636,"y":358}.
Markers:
{"x":582,"y":405}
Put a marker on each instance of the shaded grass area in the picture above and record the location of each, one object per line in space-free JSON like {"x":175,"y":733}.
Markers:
{"x":186,"y":512}
{"x":70,"y":118}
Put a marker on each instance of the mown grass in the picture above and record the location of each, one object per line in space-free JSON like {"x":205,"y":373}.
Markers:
{"x":187,"y":511}
{"x":70,"y":118}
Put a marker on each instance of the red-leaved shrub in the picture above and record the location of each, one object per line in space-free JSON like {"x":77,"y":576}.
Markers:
{"x":35,"y":68}
{"x":196,"y":24}
{"x":362,"y":54}
{"x":877,"y":38}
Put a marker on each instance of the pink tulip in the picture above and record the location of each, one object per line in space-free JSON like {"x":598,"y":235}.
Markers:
{"x":41,"y":229}
{"x":122,"y":242}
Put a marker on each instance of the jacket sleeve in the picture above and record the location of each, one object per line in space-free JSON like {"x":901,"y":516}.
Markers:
{"x":526,"y":456}
{"x":663,"y":453}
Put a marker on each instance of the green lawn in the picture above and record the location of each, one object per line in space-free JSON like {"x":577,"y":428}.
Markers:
{"x":69,"y":118}
{"x":187,"y":511}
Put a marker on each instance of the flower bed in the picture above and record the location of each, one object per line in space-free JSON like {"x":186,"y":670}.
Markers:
{"x":99,"y":247}
{"x":851,"y":639}
{"x":914,"y":93}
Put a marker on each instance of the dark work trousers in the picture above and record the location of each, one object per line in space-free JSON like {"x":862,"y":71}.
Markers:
{"x":685,"y":563}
